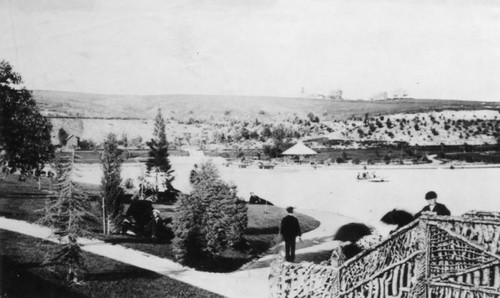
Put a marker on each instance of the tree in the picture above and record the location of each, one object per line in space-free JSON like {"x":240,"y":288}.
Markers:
{"x":158,"y":161}
{"x":69,"y":217}
{"x":111,"y":190}
{"x":24,"y":132}
{"x":63,"y":137}
{"x":211,"y":219}
{"x":124,"y":140}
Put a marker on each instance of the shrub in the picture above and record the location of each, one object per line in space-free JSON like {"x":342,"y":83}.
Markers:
{"x":128,"y":183}
{"x":211,"y":219}
{"x":86,"y":145}
{"x":389,"y":123}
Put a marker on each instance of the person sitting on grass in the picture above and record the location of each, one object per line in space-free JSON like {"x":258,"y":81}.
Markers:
{"x":154,"y":227}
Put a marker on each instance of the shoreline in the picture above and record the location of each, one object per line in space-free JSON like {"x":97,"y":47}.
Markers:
{"x":428,"y":166}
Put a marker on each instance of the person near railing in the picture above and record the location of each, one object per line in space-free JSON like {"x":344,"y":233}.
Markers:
{"x":433,"y":206}
{"x":290,"y":229}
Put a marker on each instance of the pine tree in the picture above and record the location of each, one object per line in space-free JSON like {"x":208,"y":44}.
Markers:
{"x":69,"y":216}
{"x":111,"y":190}
{"x":158,"y":161}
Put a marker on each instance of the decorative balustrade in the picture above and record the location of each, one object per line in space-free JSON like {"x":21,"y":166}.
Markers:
{"x":389,"y":255}
{"x":435,"y":256}
{"x":303,"y":280}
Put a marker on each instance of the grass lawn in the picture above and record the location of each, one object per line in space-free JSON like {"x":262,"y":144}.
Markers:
{"x":263,"y":225}
{"x":21,"y":200}
{"x":23,"y":274}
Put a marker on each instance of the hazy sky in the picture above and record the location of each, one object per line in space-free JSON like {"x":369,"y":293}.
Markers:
{"x":433,"y":49}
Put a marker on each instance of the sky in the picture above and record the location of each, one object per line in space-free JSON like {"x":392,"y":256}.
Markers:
{"x":431,"y":49}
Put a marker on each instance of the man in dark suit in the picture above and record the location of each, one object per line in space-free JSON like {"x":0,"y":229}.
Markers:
{"x":433,"y":206}
{"x":290,"y":229}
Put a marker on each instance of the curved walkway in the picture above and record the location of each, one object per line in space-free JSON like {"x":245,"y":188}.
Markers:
{"x":252,"y":281}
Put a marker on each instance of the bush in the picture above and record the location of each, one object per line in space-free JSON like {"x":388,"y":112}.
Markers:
{"x":210,"y":220}
{"x":86,"y":145}
{"x":128,"y":183}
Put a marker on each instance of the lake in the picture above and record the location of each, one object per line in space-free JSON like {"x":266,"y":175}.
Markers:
{"x":337,"y":190}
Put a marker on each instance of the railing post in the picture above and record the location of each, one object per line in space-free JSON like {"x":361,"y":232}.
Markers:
{"x":427,"y":256}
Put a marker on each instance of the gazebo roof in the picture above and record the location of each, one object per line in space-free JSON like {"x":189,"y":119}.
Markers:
{"x":300,"y":149}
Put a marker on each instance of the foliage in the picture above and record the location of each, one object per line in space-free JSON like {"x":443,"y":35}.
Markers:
{"x":209,"y":220}
{"x":24,"y":132}
{"x":111,"y":190}
{"x":62,"y":135}
{"x":158,"y":153}
{"x":124,"y":140}
{"x":312,"y":117}
{"x":136,"y":142}
{"x":69,"y":216}
{"x":86,"y":145}
{"x":128,"y":183}
{"x":275,"y":150}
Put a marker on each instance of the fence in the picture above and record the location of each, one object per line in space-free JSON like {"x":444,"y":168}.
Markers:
{"x":434,"y":256}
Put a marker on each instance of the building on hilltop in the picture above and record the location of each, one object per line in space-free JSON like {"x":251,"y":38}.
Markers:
{"x":379,"y":96}
{"x":336,"y":95}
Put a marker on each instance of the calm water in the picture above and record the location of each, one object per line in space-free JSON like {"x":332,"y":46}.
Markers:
{"x":337,"y":190}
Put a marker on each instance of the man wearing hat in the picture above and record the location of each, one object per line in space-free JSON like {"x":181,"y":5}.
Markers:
{"x":290,"y":229}
{"x":433,"y":206}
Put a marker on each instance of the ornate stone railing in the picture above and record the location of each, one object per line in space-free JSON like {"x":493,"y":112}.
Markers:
{"x":435,"y":256}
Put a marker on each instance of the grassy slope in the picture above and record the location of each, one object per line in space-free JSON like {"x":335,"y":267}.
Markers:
{"x":23,"y":200}
{"x":23,"y":274}
{"x":263,"y":225}
{"x":199,"y":106}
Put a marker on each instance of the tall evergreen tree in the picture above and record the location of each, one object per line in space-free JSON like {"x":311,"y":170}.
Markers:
{"x":158,"y":161}
{"x":24,"y":132}
{"x":69,"y":216}
{"x":111,"y":190}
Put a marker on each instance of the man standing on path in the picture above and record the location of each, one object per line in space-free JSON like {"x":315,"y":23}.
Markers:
{"x":290,"y":229}
{"x":433,"y":206}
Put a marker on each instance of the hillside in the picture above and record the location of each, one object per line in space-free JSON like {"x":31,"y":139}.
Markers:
{"x":244,"y":107}
{"x":250,"y":122}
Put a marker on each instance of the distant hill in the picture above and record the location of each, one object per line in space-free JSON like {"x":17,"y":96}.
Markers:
{"x":252,"y":122}
{"x":245,"y":107}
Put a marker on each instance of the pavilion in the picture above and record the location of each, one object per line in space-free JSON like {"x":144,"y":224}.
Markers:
{"x":301,"y":151}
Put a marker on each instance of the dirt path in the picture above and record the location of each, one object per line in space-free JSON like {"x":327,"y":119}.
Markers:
{"x":252,"y":281}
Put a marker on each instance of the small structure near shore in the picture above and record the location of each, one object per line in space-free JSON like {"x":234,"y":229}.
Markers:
{"x":301,"y":151}
{"x":434,"y":256}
